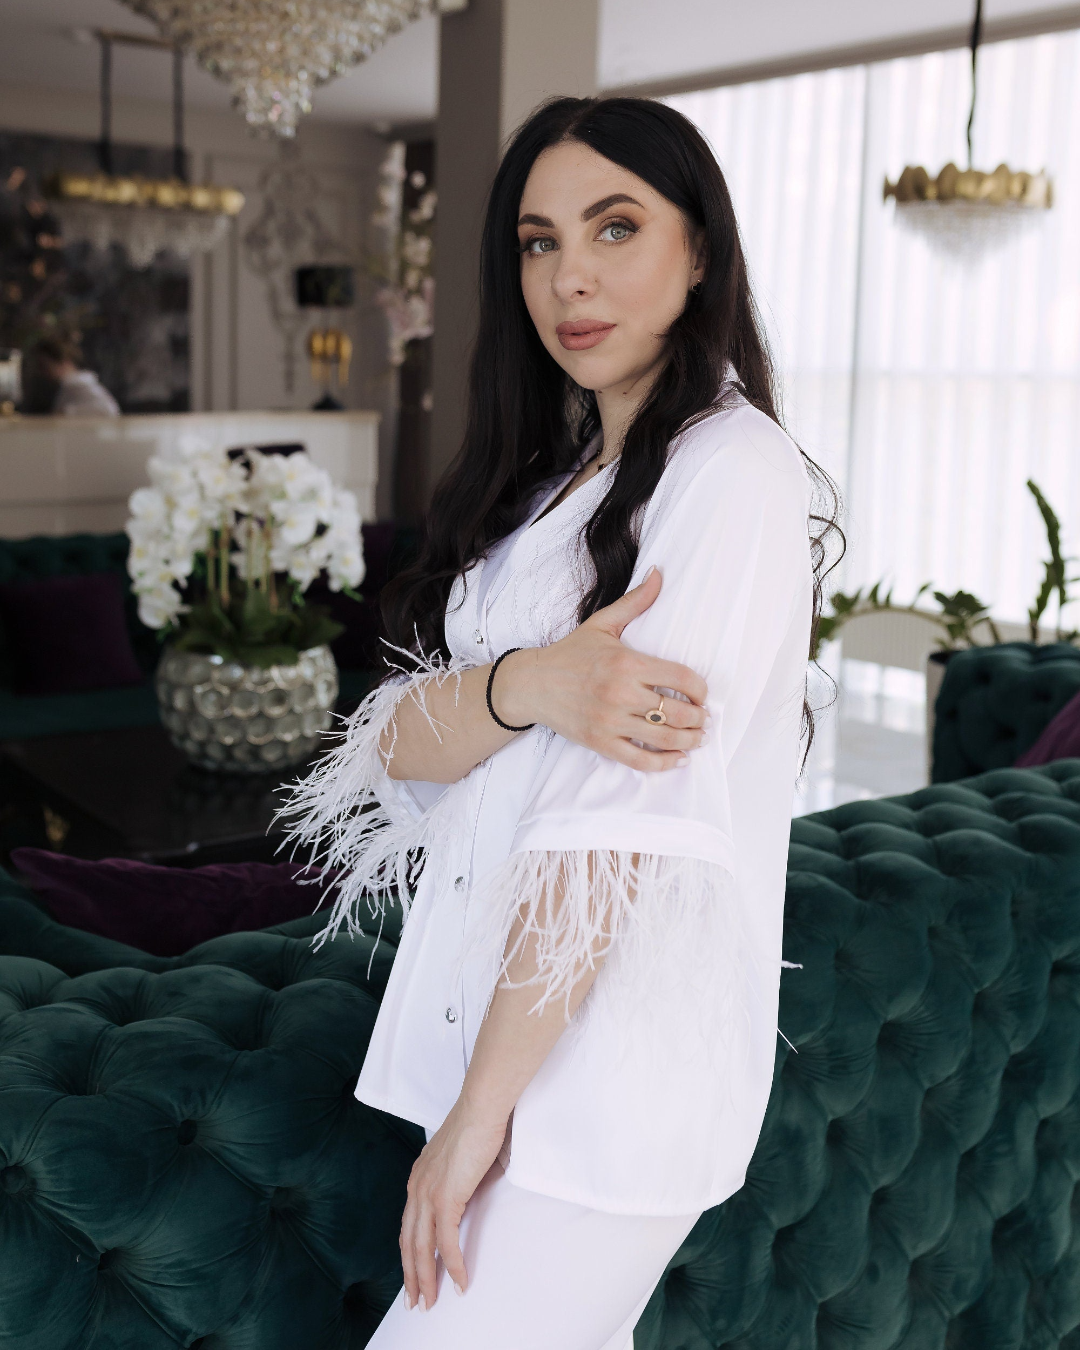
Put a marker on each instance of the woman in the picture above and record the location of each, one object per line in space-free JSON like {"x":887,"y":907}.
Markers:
{"x":582,"y":1010}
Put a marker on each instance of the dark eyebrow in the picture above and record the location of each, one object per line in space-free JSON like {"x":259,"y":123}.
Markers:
{"x":589,"y":213}
{"x":592,"y":211}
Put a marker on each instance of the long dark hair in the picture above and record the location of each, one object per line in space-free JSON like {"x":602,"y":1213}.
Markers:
{"x":527,"y":421}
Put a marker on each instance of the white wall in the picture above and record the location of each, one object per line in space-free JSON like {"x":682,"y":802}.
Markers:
{"x":238,"y":351}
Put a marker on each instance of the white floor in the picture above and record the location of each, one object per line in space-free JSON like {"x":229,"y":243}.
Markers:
{"x":870,"y":742}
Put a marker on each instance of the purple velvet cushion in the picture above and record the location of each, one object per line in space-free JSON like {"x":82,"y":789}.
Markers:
{"x":1060,"y":738}
{"x":67,"y":634}
{"x":167,"y":910}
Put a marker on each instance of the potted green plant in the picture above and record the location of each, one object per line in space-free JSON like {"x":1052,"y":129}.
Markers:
{"x":223,"y":547}
{"x":961,"y":617}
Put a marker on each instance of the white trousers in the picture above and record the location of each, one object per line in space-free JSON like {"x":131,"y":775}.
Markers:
{"x":544,"y":1274}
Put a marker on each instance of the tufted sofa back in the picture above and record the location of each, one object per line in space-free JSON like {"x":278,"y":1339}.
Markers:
{"x":915,"y":1186}
{"x":182,"y":1160}
{"x":995,"y":701}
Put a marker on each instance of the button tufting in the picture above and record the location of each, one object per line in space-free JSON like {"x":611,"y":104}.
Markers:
{"x":13,"y":1179}
{"x":186,"y":1131}
{"x":356,"y":1298}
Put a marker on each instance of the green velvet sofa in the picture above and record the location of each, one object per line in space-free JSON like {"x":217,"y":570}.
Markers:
{"x":182,"y":1159}
{"x":994,"y":702}
{"x":91,"y":710}
{"x":182,"y":1162}
{"x":387,"y":547}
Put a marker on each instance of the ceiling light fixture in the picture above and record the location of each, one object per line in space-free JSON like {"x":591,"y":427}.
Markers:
{"x":273,"y":54}
{"x":145,"y":216}
{"x":965,"y":213}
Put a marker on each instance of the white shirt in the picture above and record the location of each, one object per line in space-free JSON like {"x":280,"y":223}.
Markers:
{"x":82,"y":394}
{"x":652,"y":1099}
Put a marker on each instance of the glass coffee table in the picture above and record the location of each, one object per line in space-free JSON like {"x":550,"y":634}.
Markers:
{"x":130,"y":793}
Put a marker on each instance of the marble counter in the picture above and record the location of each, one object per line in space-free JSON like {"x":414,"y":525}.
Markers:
{"x":63,"y":475}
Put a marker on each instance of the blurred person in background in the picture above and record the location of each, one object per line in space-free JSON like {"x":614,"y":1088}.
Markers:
{"x":79,"y":393}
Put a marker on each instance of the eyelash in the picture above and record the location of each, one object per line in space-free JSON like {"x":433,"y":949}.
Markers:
{"x":527,"y":246}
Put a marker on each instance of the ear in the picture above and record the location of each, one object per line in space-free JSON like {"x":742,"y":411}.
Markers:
{"x":699,"y":255}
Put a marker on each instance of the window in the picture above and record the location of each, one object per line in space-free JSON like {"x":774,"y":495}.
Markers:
{"x":930,"y":390}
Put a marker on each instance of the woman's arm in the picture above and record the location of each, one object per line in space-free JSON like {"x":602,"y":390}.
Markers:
{"x":588,"y":687}
{"x":511,"y":1045}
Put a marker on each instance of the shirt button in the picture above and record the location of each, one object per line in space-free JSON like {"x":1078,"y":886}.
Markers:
{"x":459,"y":883}
{"x":451,"y":1015}
{"x":478,"y":637}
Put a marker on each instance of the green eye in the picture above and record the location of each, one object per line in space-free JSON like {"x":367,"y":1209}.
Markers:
{"x":617,"y":231}
{"x":542,"y":244}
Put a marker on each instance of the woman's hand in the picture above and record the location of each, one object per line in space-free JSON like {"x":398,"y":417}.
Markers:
{"x":595,"y":691}
{"x":588,"y":687}
{"x":443,"y":1179}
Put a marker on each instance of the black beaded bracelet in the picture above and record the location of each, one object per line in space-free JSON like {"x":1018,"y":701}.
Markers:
{"x":491,"y":680}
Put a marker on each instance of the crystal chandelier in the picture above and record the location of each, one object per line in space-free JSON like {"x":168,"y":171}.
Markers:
{"x":274,"y":53}
{"x":965,"y":214}
{"x":145,"y":216}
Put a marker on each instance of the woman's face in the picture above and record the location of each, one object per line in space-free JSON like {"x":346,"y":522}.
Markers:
{"x":606,"y":265}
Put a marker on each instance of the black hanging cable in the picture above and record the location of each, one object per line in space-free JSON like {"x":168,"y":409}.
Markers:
{"x":976,"y":38}
{"x":105,"y":155}
{"x":179,"y":158}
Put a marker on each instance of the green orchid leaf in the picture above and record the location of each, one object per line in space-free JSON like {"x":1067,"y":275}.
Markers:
{"x":278,"y":654}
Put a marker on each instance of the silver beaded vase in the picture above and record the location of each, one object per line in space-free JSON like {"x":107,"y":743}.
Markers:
{"x":236,"y":718}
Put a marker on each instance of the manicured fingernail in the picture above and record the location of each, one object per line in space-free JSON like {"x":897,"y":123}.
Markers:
{"x":408,"y":1301}
{"x":683,"y":759}
{"x":423,"y":1303}
{"x":704,"y":738}
{"x":457,"y":1288}
{"x":708,"y":721}
{"x":649,"y":573}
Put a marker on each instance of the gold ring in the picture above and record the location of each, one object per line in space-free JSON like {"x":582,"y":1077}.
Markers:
{"x":657,"y":716}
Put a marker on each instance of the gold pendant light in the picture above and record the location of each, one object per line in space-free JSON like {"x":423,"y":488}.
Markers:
{"x":966,"y":213}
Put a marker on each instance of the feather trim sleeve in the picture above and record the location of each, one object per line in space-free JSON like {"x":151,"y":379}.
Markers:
{"x":653,"y":918}
{"x":351,"y":816}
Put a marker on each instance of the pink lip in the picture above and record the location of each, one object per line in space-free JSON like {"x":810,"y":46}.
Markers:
{"x":579,"y":334}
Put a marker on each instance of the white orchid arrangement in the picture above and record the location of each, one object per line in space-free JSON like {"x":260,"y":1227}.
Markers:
{"x":223,"y":549}
{"x":404,"y":265}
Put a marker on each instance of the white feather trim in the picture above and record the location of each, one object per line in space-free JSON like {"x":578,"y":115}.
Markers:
{"x":667,"y":927}
{"x":348,"y":811}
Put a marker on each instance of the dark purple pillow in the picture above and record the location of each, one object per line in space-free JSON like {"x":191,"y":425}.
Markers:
{"x":1060,"y":738}
{"x":167,"y":910}
{"x":67,"y":634}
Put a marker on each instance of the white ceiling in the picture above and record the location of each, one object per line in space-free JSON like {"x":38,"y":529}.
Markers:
{"x":656,"y":40}
{"x":639,"y":41}
{"x":397,"y":85}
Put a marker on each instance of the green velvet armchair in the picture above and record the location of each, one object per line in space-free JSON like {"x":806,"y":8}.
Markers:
{"x":995,"y":701}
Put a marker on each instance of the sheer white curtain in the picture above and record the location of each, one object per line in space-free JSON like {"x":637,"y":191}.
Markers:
{"x":930,"y":390}
{"x":791,"y":151}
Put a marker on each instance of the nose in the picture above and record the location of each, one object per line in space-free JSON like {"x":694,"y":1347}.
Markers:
{"x":573,"y":278}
